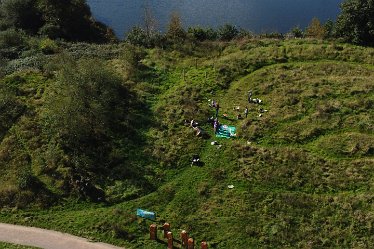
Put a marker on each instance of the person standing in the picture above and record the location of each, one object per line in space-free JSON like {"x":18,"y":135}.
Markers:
{"x":249,"y":96}
{"x":246,"y":111}
{"x":215,"y":127}
{"x":217,"y":109}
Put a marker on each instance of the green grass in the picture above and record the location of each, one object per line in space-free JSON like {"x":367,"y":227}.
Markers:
{"x":302,"y":172}
{"x":12,"y":246}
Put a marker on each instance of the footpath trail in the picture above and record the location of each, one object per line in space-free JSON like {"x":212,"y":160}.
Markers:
{"x":32,"y":236}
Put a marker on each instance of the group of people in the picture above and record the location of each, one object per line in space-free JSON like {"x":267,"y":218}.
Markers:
{"x":239,"y":116}
{"x":214,"y":119}
{"x":253,"y":100}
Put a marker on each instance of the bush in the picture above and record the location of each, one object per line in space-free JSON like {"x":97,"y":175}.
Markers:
{"x":297,"y":32}
{"x":52,"y":31}
{"x":26,"y":180}
{"x":47,"y":46}
{"x":33,"y":62}
{"x":201,"y":34}
{"x":12,"y":38}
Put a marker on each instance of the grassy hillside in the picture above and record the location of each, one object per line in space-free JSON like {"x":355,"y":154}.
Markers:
{"x":302,"y":170}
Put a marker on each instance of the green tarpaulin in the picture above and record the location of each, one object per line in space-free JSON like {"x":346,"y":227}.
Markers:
{"x":226,"y":131}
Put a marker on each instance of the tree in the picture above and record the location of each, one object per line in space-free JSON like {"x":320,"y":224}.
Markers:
{"x":82,"y":110}
{"x":69,"y":19}
{"x":197,"y":33}
{"x":330,"y":28}
{"x":146,"y":36}
{"x":297,"y":32}
{"x":21,"y":14}
{"x":137,"y":36}
{"x":150,"y":22}
{"x":227,"y":32}
{"x":315,"y":29}
{"x":202,"y":34}
{"x":356,"y":22}
{"x":175,"y":30}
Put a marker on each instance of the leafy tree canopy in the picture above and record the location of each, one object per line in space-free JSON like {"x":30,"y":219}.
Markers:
{"x":356,"y":22}
{"x":69,"y":19}
{"x":21,"y":14}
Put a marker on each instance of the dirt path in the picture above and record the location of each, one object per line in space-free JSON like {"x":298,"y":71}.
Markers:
{"x":47,"y":239}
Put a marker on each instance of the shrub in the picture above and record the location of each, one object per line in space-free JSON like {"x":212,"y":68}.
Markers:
{"x":137,"y":36}
{"x":202,"y":34}
{"x":243,"y":33}
{"x":52,"y":31}
{"x":48,"y":46}
{"x":26,"y":179}
{"x":12,"y":38}
{"x":297,"y":32}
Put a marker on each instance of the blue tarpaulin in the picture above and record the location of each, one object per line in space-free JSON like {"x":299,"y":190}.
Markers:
{"x":226,"y":131}
{"x":146,"y":214}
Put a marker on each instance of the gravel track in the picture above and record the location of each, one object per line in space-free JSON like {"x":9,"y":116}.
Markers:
{"x":32,"y":236}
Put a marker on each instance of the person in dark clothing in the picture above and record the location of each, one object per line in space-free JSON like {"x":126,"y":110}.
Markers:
{"x":217,"y":109}
{"x":195,"y":160}
{"x":249,"y":96}
{"x":210,"y":120}
{"x":246,"y":112}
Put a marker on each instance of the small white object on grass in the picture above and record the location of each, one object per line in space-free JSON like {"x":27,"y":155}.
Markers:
{"x":230,"y":186}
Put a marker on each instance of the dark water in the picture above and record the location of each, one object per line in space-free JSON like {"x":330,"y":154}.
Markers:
{"x":254,"y":15}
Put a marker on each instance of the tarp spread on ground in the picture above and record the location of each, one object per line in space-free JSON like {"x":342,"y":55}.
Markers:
{"x":146,"y":214}
{"x":226,"y":131}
